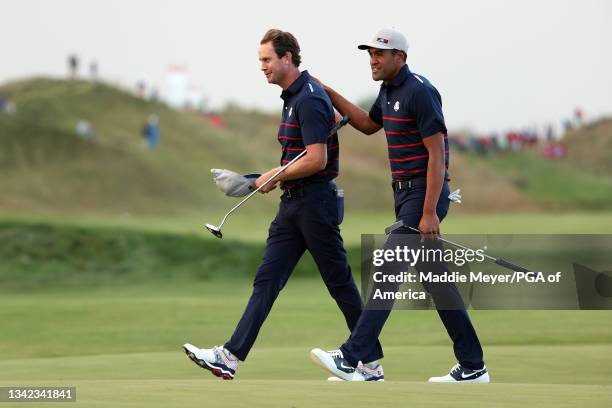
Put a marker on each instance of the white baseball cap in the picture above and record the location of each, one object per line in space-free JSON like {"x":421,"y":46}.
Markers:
{"x":387,"y":39}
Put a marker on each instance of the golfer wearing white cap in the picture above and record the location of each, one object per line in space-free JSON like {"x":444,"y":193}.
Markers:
{"x":409,"y":109}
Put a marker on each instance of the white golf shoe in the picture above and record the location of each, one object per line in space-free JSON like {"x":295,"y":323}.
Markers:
{"x":460,"y":374}
{"x":217,"y":360}
{"x":334,"y":362}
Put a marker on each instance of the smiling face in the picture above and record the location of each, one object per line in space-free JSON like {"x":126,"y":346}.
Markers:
{"x":385,"y":64}
{"x":274,"y":68}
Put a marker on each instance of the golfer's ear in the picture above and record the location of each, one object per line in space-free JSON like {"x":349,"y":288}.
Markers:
{"x":288,"y":56}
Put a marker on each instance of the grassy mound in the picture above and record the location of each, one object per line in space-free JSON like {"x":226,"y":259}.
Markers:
{"x":50,"y":256}
{"x":46,"y":168}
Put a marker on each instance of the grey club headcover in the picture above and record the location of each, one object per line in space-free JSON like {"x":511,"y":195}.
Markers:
{"x":232,"y":183}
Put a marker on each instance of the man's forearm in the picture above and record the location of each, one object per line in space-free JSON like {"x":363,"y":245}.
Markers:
{"x":360,"y":119}
{"x":436,"y":170}
{"x":304,"y":167}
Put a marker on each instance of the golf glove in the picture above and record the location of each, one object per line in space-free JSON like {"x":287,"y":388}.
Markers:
{"x":455,"y":196}
{"x":232,"y":183}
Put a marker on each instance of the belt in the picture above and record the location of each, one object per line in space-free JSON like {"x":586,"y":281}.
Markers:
{"x":303,"y":189}
{"x":408,"y":184}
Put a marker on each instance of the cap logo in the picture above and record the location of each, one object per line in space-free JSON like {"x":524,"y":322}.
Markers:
{"x":382,"y":40}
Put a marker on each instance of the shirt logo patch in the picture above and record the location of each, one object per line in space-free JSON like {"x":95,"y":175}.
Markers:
{"x":290,"y":111}
{"x":396,"y":106}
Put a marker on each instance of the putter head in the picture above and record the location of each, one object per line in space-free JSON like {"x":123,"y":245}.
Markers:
{"x":214,"y":230}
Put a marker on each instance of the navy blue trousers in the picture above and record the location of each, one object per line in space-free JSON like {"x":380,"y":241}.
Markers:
{"x":362,"y":341}
{"x":307,"y":221}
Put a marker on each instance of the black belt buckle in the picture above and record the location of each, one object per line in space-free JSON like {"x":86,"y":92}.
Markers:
{"x":293,"y":192}
{"x":403,"y":184}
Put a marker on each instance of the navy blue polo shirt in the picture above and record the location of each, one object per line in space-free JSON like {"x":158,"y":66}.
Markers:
{"x":307,"y":117}
{"x":409,"y":108}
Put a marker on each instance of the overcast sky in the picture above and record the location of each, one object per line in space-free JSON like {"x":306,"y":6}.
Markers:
{"x":497,"y":64}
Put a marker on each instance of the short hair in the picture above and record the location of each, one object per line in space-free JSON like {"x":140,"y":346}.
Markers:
{"x":403,"y":52}
{"x":283,"y":42}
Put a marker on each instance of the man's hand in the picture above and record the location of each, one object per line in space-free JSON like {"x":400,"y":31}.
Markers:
{"x":337,"y":116}
{"x":318,"y":81}
{"x":265,"y":177}
{"x":429,"y":226}
{"x":360,"y":119}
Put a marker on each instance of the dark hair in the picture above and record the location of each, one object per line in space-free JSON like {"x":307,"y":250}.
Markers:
{"x":283,"y":42}
{"x":396,"y":51}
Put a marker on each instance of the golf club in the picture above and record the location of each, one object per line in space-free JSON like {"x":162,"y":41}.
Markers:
{"x":216,"y":230}
{"x":498,"y":261}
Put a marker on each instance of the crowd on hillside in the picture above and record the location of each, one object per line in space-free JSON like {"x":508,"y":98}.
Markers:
{"x":545,"y":139}
{"x":150,"y":132}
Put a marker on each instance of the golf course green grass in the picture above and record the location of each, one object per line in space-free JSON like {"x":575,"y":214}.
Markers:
{"x":110,"y":314}
{"x":249,"y":225}
{"x":122,"y":348}
{"x":106,"y":270}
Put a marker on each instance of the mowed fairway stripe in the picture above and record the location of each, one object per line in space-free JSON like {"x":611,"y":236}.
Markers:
{"x":574,"y":364}
{"x":287,"y":393}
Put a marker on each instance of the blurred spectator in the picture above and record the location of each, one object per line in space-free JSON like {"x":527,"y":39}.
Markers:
{"x":154,"y":95}
{"x":141,"y":87}
{"x":6,"y":106}
{"x":550,"y":133}
{"x":554,"y":151}
{"x":502,"y":142}
{"x":73,"y":65}
{"x":85,"y":130}
{"x":93,"y":71}
{"x":150,"y":132}
{"x":457,"y":141}
{"x":484,"y":145}
{"x":578,"y":117}
{"x":216,"y":120}
{"x":513,"y":141}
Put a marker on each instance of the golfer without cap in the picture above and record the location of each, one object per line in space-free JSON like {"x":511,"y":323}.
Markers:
{"x":308,"y":217}
{"x":409,"y":109}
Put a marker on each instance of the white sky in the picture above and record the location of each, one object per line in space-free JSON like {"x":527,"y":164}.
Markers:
{"x":497,"y":64}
